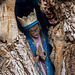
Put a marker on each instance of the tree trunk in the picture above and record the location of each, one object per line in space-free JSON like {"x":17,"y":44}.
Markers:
{"x":8,"y":25}
{"x":16,"y":57}
{"x":62,"y":36}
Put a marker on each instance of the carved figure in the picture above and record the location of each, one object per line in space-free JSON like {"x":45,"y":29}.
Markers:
{"x":38,"y":42}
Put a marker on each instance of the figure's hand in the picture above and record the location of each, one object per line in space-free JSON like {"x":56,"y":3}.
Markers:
{"x":41,"y":53}
{"x":37,"y":55}
{"x":37,"y":52}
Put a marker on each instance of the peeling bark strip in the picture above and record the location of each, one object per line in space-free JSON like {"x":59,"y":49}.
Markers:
{"x":17,"y":58}
{"x":8,"y":25}
{"x":63,"y":39}
{"x":69,"y":60}
{"x":57,"y":40}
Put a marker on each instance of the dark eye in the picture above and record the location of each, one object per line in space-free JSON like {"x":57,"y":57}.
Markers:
{"x":45,"y":4}
{"x":45,"y":8}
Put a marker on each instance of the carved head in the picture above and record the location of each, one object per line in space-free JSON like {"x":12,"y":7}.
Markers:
{"x":30,"y":24}
{"x":34,"y":31}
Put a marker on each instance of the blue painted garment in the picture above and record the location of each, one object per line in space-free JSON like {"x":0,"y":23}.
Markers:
{"x":24,"y":8}
{"x":47,"y":48}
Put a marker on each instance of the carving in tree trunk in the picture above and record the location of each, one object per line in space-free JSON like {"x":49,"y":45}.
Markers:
{"x":17,"y":59}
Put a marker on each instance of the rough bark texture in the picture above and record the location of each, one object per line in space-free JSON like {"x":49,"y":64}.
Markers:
{"x":8,"y":25}
{"x":16,"y":57}
{"x":58,"y":42}
{"x":62,"y":37}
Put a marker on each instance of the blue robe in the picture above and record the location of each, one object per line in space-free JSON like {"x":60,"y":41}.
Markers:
{"x":46,"y":45}
{"x":23,"y":9}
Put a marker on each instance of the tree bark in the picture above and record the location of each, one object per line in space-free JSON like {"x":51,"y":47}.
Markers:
{"x":62,"y":37}
{"x":16,"y":57}
{"x":8,"y":25}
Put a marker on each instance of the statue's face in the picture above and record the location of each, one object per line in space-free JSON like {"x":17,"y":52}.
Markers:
{"x":34,"y":31}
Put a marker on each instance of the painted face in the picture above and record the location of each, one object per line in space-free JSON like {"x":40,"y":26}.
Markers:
{"x":35,"y":31}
